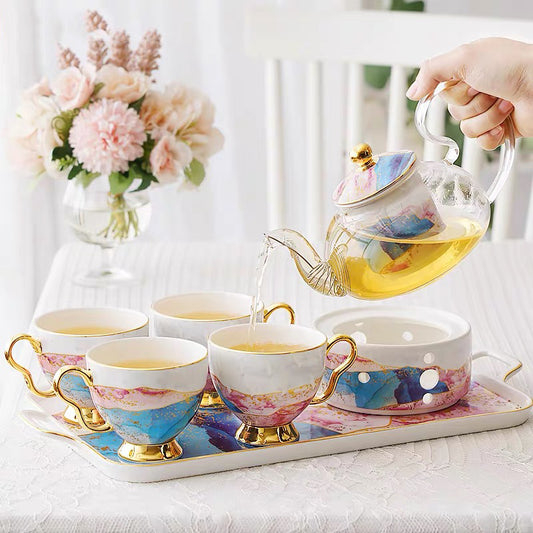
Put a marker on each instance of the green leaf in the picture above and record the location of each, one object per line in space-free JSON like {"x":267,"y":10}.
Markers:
{"x":402,"y":5}
{"x":377,"y":76}
{"x":97,"y":88}
{"x":136,"y":171}
{"x":195,"y":172}
{"x":138,"y":103}
{"x":59,"y":152}
{"x":145,"y":183}
{"x":74,"y":171}
{"x":86,"y":178}
{"x":119,"y":183}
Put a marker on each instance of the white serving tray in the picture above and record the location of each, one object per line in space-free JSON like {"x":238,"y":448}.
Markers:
{"x":209,"y":445}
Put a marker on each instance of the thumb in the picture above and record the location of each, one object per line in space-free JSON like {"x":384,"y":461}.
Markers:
{"x":439,"y":68}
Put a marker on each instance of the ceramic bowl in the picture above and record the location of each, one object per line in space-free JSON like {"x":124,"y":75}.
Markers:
{"x":411,"y":359}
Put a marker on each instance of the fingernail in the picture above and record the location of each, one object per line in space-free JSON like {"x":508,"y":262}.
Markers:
{"x":411,"y":92}
{"x":495,"y":132}
{"x":472,"y":92}
{"x":504,"y":106}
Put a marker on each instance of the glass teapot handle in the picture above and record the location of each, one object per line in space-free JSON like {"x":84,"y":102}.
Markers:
{"x":507,"y":151}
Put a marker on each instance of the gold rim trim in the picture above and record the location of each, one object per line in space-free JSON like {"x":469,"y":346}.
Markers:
{"x":129,"y":369}
{"x":190,"y":294}
{"x":119,"y":332}
{"x":509,"y":373}
{"x":387,"y":187}
{"x":301,"y":350}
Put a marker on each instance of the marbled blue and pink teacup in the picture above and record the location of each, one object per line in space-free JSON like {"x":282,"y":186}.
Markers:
{"x":146,"y":389}
{"x":268,"y":377}
{"x":63,"y":337}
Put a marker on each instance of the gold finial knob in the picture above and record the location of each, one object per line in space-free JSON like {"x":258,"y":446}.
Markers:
{"x":361,"y":155}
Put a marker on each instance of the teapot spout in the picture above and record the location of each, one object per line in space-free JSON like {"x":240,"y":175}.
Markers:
{"x":320,"y":275}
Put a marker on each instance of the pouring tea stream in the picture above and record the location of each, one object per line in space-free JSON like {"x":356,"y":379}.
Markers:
{"x":401,"y":223}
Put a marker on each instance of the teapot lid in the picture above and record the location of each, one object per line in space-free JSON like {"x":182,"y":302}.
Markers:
{"x":371,"y":174}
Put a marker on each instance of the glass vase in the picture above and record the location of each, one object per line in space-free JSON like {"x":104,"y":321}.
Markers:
{"x":98,"y":217}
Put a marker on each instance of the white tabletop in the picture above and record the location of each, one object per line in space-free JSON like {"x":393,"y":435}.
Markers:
{"x":479,"y":482}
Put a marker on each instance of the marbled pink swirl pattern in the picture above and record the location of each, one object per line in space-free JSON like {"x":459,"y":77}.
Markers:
{"x":270,"y":409}
{"x":52,"y":362}
{"x":140,"y":398}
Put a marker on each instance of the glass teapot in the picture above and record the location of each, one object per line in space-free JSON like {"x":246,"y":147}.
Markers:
{"x":401,"y":223}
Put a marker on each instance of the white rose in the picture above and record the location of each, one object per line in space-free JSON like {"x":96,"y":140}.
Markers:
{"x":122,"y":85}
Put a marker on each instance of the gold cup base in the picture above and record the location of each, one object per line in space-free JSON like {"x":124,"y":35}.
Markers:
{"x":91,"y":416}
{"x":211,"y":400}
{"x":150,"y":452}
{"x":256,"y":436}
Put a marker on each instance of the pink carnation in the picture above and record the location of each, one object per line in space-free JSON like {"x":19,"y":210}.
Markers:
{"x":168,"y":158}
{"x":106,"y":136}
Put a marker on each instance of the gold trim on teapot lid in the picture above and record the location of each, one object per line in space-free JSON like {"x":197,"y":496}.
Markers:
{"x":361,"y":155}
{"x":372,"y":174}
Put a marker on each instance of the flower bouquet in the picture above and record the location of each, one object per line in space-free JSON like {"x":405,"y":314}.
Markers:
{"x":106,"y":123}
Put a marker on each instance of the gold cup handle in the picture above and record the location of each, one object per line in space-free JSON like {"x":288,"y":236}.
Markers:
{"x":339,"y":371}
{"x":38,"y":349}
{"x":274,"y":307}
{"x":87,"y":378}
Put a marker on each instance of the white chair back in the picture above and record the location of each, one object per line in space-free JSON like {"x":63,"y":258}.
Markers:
{"x":357,"y":38}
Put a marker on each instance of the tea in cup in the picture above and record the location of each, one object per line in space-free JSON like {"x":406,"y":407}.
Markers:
{"x":268,"y":378}
{"x":63,"y":337}
{"x":146,"y":389}
{"x":195,"y":316}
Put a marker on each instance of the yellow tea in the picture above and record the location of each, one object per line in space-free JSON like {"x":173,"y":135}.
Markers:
{"x":269,"y":347}
{"x":381,"y":267}
{"x":208,"y":315}
{"x":146,"y":363}
{"x":88,"y":330}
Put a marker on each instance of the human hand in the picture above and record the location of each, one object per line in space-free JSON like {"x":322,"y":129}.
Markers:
{"x":494,"y":80}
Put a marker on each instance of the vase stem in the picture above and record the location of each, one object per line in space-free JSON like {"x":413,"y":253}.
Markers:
{"x":108,"y":254}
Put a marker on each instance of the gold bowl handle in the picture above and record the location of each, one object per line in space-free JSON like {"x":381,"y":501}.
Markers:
{"x":339,"y":371}
{"x":38,"y":349}
{"x":87,"y":378}
{"x":274,"y":307}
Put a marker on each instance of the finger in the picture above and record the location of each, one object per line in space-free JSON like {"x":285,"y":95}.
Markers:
{"x":459,"y":94}
{"x":478,"y":105}
{"x":492,"y":139}
{"x":494,"y":116}
{"x":440,"y":68}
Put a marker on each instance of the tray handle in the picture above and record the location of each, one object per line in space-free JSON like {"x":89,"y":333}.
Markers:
{"x":515,"y":364}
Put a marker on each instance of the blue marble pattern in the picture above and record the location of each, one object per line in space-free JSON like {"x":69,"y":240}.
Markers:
{"x":152,"y":426}
{"x":211,"y":431}
{"x":390,"y":166}
{"x":75,"y":388}
{"x":385,"y":388}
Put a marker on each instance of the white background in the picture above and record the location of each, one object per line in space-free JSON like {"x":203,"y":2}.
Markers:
{"x":202,"y":46}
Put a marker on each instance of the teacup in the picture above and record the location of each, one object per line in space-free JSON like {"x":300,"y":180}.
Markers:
{"x":63,"y":337}
{"x":195,"y":316}
{"x":269,"y":379}
{"x":146,"y":389}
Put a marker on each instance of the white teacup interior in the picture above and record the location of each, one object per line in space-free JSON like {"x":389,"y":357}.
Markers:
{"x":289,"y":335}
{"x":162,"y":352}
{"x":392,"y":330}
{"x":226,"y":304}
{"x":105,"y":319}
